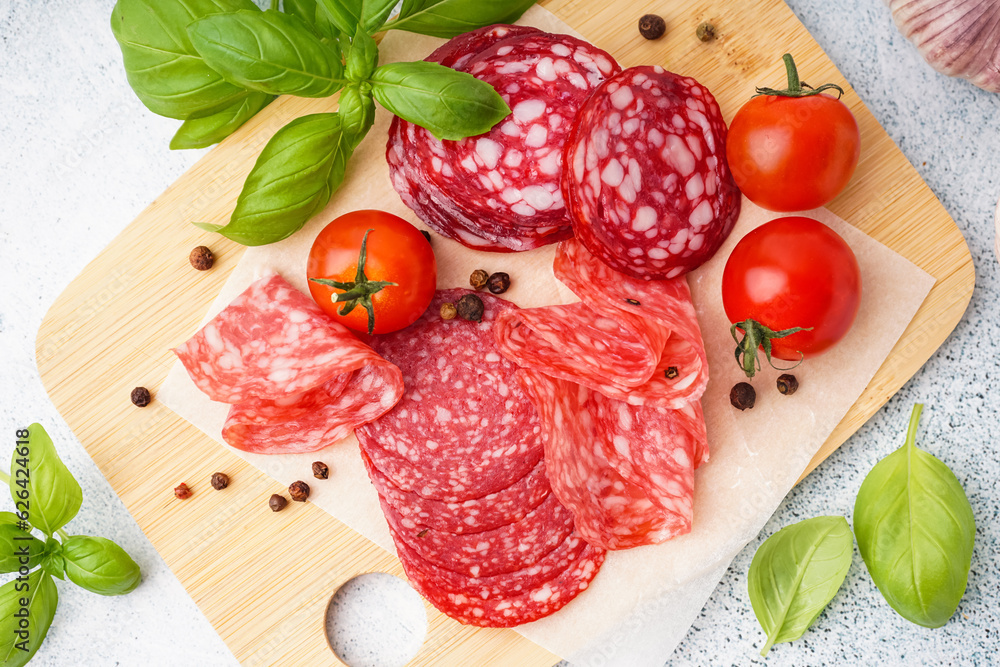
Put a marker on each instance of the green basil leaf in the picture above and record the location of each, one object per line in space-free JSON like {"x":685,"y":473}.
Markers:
{"x":313,"y":15}
{"x":349,"y":15}
{"x":99,"y":565}
{"x":41,"y":481}
{"x":202,"y":132}
{"x":362,"y":57}
{"x":162,"y":66}
{"x":447,"y":18}
{"x":795,"y":574}
{"x":32,"y":599}
{"x":916,"y":532}
{"x":292,"y":180}
{"x":450,"y":104}
{"x":53,"y":561}
{"x":270,"y":52}
{"x":18,"y":549}
{"x":304,"y":10}
{"x":357,"y":110}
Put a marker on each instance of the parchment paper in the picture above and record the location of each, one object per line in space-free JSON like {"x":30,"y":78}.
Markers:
{"x":644,"y":600}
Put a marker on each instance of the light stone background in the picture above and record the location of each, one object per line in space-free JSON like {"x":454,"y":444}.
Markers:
{"x":80,"y":158}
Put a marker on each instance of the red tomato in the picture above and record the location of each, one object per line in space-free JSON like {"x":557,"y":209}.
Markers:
{"x":794,"y":272}
{"x":793,"y":153}
{"x":396,"y":252}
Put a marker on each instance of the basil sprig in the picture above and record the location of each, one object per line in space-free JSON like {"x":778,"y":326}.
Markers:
{"x":216,"y":63}
{"x":47,"y":497}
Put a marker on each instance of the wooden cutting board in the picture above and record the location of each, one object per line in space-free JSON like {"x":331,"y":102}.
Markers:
{"x":264,"y":579}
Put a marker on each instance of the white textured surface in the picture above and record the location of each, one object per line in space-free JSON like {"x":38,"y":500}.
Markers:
{"x":82,"y":157}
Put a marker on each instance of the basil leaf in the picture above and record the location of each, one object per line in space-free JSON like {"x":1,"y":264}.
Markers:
{"x":34,"y":599}
{"x":99,"y":565}
{"x":314,"y":16}
{"x":292,"y":180}
{"x":304,"y":10}
{"x":52,"y":561}
{"x":42,"y":483}
{"x":349,"y":15}
{"x":18,"y":548}
{"x":795,"y":574}
{"x":270,"y":52}
{"x":450,"y":104}
{"x":202,"y":132}
{"x":357,"y":110}
{"x":163,"y":68}
{"x":916,"y":532}
{"x":447,"y":18}
{"x":362,"y":57}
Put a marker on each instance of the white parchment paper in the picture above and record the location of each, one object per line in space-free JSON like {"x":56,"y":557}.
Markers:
{"x":644,"y":600}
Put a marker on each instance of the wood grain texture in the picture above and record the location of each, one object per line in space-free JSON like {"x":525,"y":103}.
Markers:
{"x":264,"y":579}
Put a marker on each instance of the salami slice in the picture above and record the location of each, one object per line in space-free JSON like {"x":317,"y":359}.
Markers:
{"x":646,"y":179}
{"x":458,"y":51}
{"x":464,"y":427}
{"x":505,"y":549}
{"x":298,"y":381}
{"x":503,"y":187}
{"x":470,"y":516}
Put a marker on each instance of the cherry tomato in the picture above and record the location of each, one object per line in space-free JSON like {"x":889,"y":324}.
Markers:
{"x":793,"y":153}
{"x":794,"y":272}
{"x":395,"y":252}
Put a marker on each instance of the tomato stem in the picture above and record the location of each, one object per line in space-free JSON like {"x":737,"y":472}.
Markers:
{"x":755,"y":336}
{"x":359,"y":292}
{"x":795,"y":87}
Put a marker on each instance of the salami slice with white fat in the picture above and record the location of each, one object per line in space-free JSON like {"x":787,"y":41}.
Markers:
{"x":646,"y":180}
{"x":298,"y":381}
{"x":464,"y":427}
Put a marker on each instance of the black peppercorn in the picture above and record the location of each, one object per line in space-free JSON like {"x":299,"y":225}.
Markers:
{"x":423,"y":532}
{"x":478,"y":279}
{"x":201,"y":258}
{"x":299,"y":491}
{"x":277,"y":503}
{"x":787,"y":384}
{"x":671,"y":373}
{"x":141,"y":397}
{"x":498,"y":283}
{"x":220,"y":480}
{"x":742,"y":396}
{"x":652,"y":26}
{"x":705,"y":32}
{"x":427,"y":234}
{"x":470,"y":307}
{"x":448,"y":311}
{"x":320,"y":470}
{"x":182,"y":491}
{"x":633,"y":302}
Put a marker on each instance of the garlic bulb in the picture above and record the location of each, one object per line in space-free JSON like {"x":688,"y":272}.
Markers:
{"x":956,"y":37}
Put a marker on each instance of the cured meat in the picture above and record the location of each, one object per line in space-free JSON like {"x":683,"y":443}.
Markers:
{"x":502,"y":189}
{"x":298,"y":380}
{"x":464,"y":427}
{"x":646,"y":182}
{"x":633,"y":340}
{"x":469,"y":516}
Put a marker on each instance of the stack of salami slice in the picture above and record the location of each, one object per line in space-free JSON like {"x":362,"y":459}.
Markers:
{"x":501,"y":191}
{"x":617,"y":380}
{"x":459,"y":471}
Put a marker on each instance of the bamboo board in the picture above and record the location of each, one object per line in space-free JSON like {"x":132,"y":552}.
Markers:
{"x":264,"y":580}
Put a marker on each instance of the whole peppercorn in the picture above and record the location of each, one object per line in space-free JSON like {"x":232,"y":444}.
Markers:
{"x":652,"y":26}
{"x":448,"y":311}
{"x":220,"y":480}
{"x":201,"y":258}
{"x":787,"y":384}
{"x":705,"y":32}
{"x":742,"y":396}
{"x":299,"y":491}
{"x":141,"y":397}
{"x":498,"y":283}
{"x":277,"y":503}
{"x":320,"y":470}
{"x":470,"y":307}
{"x":671,"y":372}
{"x":478,"y":279}
{"x":182,"y":491}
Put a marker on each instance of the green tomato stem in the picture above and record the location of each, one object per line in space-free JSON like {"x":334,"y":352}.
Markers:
{"x":795,"y":87}
{"x":757,"y":336}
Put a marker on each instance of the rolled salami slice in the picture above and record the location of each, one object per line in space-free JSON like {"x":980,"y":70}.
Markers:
{"x":464,"y":427}
{"x":646,"y":181}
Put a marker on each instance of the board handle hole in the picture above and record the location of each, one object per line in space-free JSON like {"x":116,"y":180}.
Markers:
{"x":376,"y":620}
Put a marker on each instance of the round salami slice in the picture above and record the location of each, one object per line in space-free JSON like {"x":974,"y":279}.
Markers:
{"x":505,"y":549}
{"x":458,"y":51}
{"x":647,"y":184}
{"x":464,"y":428}
{"x":470,"y":516}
